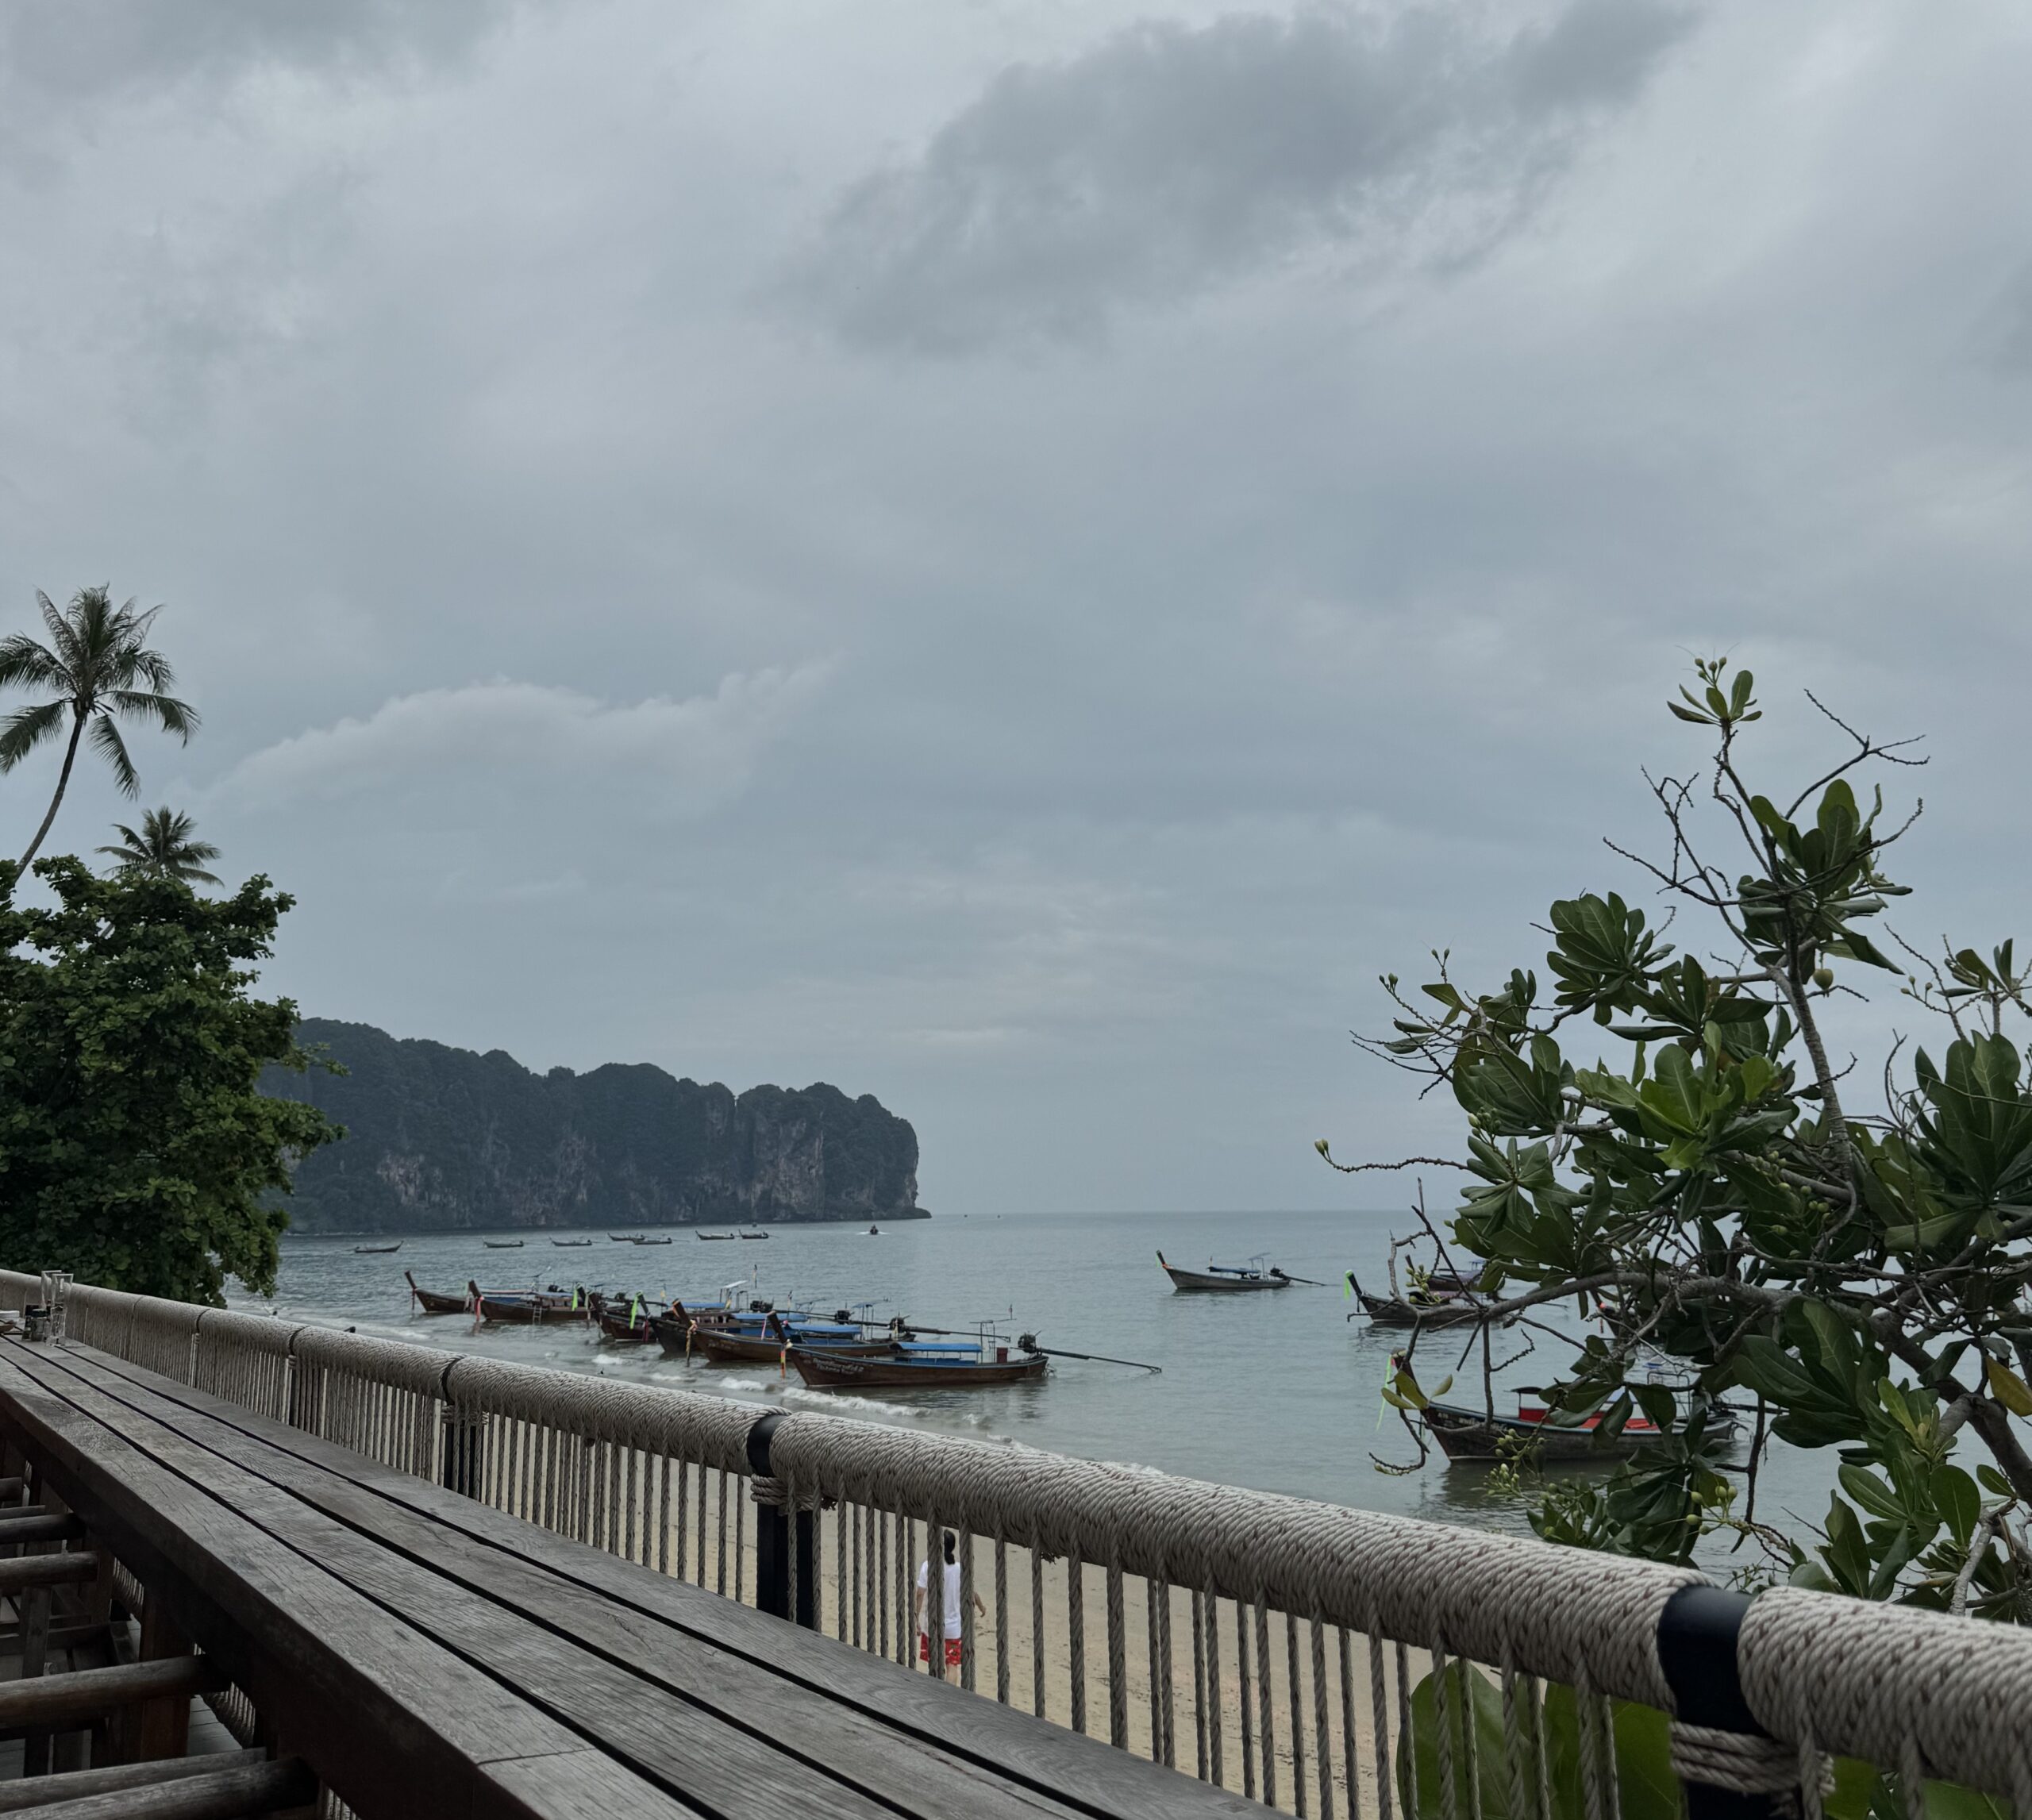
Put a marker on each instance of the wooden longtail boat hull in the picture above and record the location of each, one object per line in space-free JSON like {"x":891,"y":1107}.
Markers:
{"x":829,"y":1371}
{"x":519,"y":1313}
{"x":1219,"y":1282}
{"x":1391,"y":1311}
{"x":1469,"y":1434}
{"x":614,"y":1325}
{"x":432,"y":1302}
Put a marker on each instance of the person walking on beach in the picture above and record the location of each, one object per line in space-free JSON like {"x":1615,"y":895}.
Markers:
{"x":952,"y":1603}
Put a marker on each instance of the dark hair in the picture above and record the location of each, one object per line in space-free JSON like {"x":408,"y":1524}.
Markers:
{"x":950,"y":1546}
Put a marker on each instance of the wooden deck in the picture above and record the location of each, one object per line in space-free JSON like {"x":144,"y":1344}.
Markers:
{"x":424,"y":1654}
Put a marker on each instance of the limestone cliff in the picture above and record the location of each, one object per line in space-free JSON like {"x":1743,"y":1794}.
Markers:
{"x":441,"y":1138}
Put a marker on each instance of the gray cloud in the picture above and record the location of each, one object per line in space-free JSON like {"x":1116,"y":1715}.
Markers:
{"x":80,"y":49}
{"x":1168,"y":160}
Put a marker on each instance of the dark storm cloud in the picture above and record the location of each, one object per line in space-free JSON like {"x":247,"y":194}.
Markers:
{"x":1169,"y":159}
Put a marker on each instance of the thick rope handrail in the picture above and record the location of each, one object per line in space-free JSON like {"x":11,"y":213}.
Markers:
{"x":1887,"y":1683}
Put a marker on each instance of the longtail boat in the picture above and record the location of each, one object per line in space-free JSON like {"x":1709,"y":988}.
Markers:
{"x":1441,"y":1298}
{"x":521,"y":1310}
{"x":376,"y":1250}
{"x":570,"y":1244}
{"x":502,"y":1244}
{"x":431,"y":1302}
{"x":664,"y":1239}
{"x":719,"y":1238}
{"x":1224,"y":1277}
{"x":1466,"y":1433}
{"x":630,"y":1319}
{"x":745,"y":1346}
{"x":917,"y":1365}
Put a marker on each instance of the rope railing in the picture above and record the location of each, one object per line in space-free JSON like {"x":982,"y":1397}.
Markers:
{"x":1318,"y":1659}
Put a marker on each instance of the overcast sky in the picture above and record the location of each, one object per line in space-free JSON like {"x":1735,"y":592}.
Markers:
{"x":1011,"y":555}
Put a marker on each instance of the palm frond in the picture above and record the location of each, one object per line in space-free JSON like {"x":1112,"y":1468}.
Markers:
{"x":25,"y":664}
{"x":105,"y":738}
{"x":63,"y":634}
{"x":27,"y":728}
{"x":172,"y":715}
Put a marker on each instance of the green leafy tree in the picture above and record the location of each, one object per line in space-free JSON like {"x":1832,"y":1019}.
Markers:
{"x":166,"y":847}
{"x":97,"y":669}
{"x":1659,"y":1129}
{"x":137,"y":1150}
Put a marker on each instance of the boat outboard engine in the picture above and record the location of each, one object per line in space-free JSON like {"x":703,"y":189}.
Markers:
{"x":759,"y":1307}
{"x":1027,"y":1341}
{"x":843,"y":1316}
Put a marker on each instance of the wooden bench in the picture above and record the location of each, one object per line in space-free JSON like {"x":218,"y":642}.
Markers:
{"x":425,"y":1653}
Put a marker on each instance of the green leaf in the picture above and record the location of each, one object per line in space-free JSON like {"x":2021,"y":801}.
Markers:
{"x":1958,"y":1502}
{"x":2007,"y":1387}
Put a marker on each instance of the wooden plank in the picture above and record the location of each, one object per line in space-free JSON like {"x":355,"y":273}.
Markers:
{"x":240,"y":1789}
{"x":757,"y":1766}
{"x":78,"y":1698}
{"x":40,"y":1527}
{"x":16,"y":1796}
{"x":1078,"y":1771}
{"x":393,"y":1721}
{"x":817,"y":1730}
{"x":46,"y":1570}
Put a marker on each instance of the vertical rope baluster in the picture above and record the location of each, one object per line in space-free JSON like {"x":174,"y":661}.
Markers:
{"x":1586,"y":1715}
{"x":1036,"y":1627}
{"x":1322,"y":1731}
{"x":1296,"y":1692}
{"x":1215,"y":1725}
{"x":1403,"y":1664}
{"x":1001,"y":1615}
{"x":1266,"y":1705}
{"x":1118,"y":1657}
{"x":966,"y":1641}
{"x":720,"y":1578}
{"x":1443,"y":1731}
{"x":1162,"y":1671}
{"x":1350,"y":1750}
{"x":663,"y":1515}
{"x":1244,"y":1706}
{"x":846,"y":1559}
{"x":1198,"y":1622}
{"x":1075,"y":1634}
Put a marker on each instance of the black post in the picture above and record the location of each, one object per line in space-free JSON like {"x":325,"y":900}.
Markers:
{"x":773,"y":1529}
{"x":464,"y":1466}
{"x":1697,"y":1632}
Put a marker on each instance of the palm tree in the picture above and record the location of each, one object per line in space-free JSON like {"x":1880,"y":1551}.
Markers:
{"x":98,"y":665}
{"x":164,"y":849}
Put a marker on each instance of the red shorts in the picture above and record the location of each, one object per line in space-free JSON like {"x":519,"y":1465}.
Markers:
{"x":952,"y":1650}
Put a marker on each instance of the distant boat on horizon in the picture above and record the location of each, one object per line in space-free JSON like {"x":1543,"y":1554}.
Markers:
{"x":376,"y":1250}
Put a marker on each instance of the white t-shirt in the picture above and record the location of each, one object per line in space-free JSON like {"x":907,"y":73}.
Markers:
{"x":952,"y":1595}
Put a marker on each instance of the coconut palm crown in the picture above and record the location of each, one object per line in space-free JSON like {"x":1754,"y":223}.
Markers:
{"x":164,"y":849}
{"x":97,"y":669}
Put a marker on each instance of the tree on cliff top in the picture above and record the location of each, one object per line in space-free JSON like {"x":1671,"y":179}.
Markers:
{"x":136,"y":1150}
{"x":1715,"y":1192}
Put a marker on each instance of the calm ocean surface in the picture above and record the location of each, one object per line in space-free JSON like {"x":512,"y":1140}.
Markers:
{"x":1276,"y":1390}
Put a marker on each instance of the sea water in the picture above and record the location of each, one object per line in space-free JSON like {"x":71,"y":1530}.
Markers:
{"x":1279,"y":1390}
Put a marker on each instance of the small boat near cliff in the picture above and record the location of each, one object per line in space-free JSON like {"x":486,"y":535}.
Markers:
{"x":719,"y":1238}
{"x":1226,"y":1279}
{"x":502,"y":1244}
{"x":570,"y":1244}
{"x":664,"y":1239}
